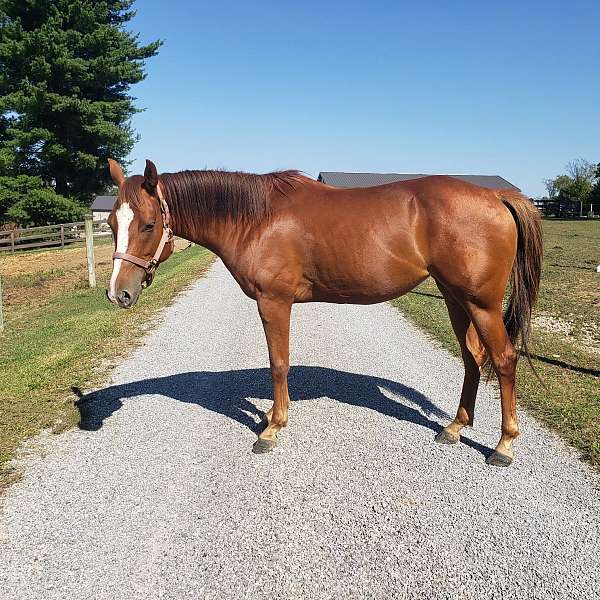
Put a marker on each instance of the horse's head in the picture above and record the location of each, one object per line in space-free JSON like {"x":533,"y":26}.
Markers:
{"x":141,"y":230}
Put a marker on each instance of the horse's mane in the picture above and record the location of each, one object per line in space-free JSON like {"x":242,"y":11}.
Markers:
{"x":225,"y":194}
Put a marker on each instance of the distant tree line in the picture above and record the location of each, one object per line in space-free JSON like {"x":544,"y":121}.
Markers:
{"x":580,"y":183}
{"x":66,"y":68}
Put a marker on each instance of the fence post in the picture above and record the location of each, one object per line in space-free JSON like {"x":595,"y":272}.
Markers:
{"x":62,"y":235}
{"x":1,"y":317}
{"x":89,"y":250}
{"x":12,"y":242}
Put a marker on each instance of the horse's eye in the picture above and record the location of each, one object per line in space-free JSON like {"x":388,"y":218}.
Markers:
{"x":149,"y":227}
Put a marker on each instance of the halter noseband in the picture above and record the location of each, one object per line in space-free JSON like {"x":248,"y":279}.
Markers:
{"x":167,"y":236}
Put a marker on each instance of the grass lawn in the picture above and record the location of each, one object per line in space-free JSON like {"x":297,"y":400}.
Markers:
{"x":61,"y":334}
{"x":566,"y":334}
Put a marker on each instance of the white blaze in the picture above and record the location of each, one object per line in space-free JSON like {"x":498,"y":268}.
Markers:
{"x":124,"y":216}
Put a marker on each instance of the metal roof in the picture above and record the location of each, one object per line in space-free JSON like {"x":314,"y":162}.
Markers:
{"x":337,"y":179}
{"x":104,"y":203}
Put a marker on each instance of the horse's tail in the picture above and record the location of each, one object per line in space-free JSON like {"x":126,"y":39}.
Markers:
{"x":526,"y":271}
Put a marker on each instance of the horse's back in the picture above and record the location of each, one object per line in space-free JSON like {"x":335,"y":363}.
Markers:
{"x":354,"y":245}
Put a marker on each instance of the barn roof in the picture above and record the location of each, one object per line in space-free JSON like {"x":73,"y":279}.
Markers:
{"x":102,"y":203}
{"x":338,"y":179}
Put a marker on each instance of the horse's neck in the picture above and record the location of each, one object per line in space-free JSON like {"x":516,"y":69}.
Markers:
{"x":225,"y":238}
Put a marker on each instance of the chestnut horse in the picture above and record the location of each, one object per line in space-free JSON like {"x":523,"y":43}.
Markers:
{"x":286,"y":238}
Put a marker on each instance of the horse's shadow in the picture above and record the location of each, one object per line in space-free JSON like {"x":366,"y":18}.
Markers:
{"x":227,"y":393}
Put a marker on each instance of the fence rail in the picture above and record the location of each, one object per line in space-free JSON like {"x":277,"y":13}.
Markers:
{"x":48,"y":236}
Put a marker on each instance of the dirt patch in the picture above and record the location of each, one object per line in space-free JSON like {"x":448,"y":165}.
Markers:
{"x":587,"y":336}
{"x":26,"y":263}
{"x":553,"y":324}
{"x":590,"y":336}
{"x":31,"y":279}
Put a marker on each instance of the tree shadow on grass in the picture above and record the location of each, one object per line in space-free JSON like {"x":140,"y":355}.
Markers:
{"x":227,"y":393}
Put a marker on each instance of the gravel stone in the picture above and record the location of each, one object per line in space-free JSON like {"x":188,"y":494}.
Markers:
{"x":160,"y":496}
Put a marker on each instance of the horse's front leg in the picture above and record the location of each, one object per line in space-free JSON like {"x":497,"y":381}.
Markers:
{"x":275,"y":315}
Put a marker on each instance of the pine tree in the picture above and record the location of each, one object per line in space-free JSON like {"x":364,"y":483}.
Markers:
{"x":66,"y":68}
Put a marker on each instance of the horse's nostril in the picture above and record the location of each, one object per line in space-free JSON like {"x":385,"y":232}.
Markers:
{"x":125,"y":298}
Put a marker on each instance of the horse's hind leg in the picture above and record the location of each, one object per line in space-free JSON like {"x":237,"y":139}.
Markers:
{"x":472,"y":358}
{"x":275,"y":316}
{"x":490,"y":326}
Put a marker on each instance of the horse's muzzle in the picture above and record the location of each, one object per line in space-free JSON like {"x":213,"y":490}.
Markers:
{"x":124,"y":299}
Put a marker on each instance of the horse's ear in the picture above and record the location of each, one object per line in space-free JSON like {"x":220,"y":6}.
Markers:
{"x":116,"y":172}
{"x":150,"y":177}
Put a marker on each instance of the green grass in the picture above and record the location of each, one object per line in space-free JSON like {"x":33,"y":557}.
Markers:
{"x":568,"y":355}
{"x":68,"y":343}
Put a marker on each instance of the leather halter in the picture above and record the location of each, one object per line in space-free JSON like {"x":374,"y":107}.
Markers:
{"x":151,"y":265}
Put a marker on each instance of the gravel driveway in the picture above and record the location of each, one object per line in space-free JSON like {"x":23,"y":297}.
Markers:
{"x":159,"y":496}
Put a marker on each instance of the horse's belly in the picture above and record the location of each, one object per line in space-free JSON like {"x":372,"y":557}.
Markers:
{"x":364,"y":290}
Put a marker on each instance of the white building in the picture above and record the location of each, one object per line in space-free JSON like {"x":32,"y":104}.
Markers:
{"x":102,"y":206}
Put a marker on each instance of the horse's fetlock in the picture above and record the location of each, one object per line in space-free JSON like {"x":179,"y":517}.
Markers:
{"x":511,"y":432}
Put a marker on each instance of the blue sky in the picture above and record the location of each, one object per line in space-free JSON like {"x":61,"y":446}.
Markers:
{"x":509,"y":88}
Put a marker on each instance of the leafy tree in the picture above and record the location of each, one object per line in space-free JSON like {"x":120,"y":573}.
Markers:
{"x":26,"y":201}
{"x":578,"y":190}
{"x":555,"y":186}
{"x":66,"y":68}
{"x":576,"y":186}
{"x":581,"y":170}
{"x":45,"y":206}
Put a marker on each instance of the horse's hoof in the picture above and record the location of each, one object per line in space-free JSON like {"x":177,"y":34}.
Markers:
{"x":263,"y":445}
{"x":444,"y":437}
{"x":497,"y":459}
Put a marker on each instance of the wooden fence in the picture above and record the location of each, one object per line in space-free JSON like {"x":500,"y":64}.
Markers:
{"x":48,"y":236}
{"x":564,"y":209}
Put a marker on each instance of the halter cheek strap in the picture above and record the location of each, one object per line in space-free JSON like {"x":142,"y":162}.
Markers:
{"x":167,"y":236}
